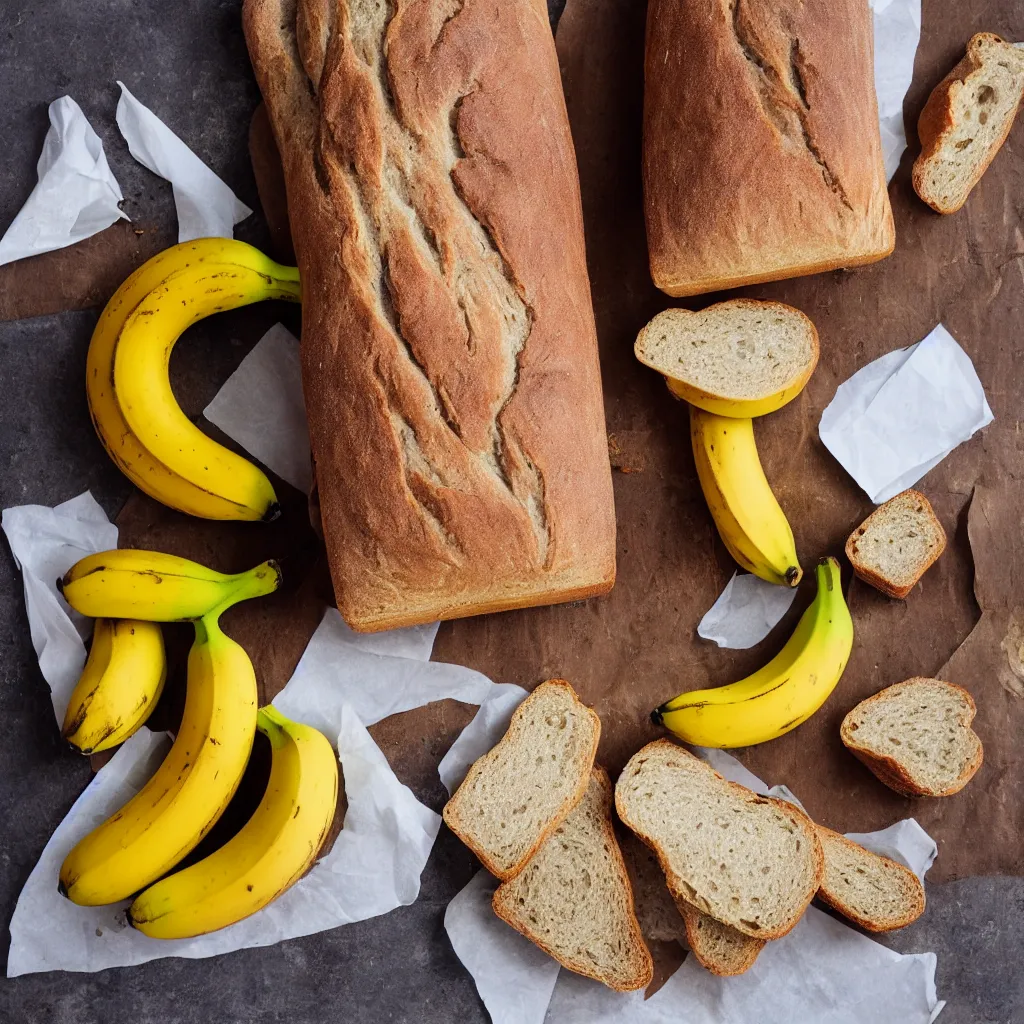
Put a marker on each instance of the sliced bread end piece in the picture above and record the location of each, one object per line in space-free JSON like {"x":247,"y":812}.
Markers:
{"x":719,"y":948}
{"x":873,"y":891}
{"x":574,"y":900}
{"x":519,"y":792}
{"x":894,"y":547}
{"x":916,"y":737}
{"x":739,"y":358}
{"x":966,"y":121}
{"x":749,"y":861}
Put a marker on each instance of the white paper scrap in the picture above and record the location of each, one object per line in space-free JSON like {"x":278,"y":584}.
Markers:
{"x":76,"y":195}
{"x":905,"y":842}
{"x":746,"y":612}
{"x":261,"y":407}
{"x":901,"y":415}
{"x":206,"y":207}
{"x":897,"y":32}
{"x":45,"y":543}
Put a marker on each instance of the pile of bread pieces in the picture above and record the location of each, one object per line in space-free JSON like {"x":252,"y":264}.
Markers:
{"x":740,"y":868}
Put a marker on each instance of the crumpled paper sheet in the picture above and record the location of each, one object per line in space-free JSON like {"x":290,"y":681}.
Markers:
{"x":897,"y":25}
{"x":206,"y":206}
{"x":76,"y":196}
{"x":45,"y":543}
{"x":746,"y":611}
{"x":900,"y":416}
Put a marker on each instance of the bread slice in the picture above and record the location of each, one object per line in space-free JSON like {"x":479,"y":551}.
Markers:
{"x":875,"y":892}
{"x":916,"y":736}
{"x":720,"y":948}
{"x":656,"y":909}
{"x":896,"y":544}
{"x":519,"y":792}
{"x":966,"y":120}
{"x":574,"y":900}
{"x":749,"y":861}
{"x":737,"y":358}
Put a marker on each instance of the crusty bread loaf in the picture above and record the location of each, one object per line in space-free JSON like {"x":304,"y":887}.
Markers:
{"x":966,"y":121}
{"x":449,"y":352}
{"x":720,"y":948}
{"x":894,"y":547}
{"x":519,"y":792}
{"x":749,"y":861}
{"x":573,"y":898}
{"x":873,"y":891}
{"x":736,"y":358}
{"x":916,"y":737}
{"x":762,"y":158}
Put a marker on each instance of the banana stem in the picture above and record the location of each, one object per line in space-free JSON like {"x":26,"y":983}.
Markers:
{"x":271,"y":723}
{"x":260,"y":581}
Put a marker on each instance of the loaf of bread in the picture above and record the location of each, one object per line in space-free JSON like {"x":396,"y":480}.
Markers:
{"x":449,"y":353}
{"x":762,"y":158}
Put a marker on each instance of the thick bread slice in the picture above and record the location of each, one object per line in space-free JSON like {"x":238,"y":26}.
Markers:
{"x":519,"y":792}
{"x":720,"y":948}
{"x":916,"y":736}
{"x":966,"y":120}
{"x":875,"y":892}
{"x":737,"y":358}
{"x":894,"y":547}
{"x":749,"y":861}
{"x":573,"y":899}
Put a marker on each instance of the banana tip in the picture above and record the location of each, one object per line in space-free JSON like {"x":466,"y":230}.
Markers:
{"x":794,"y":574}
{"x":656,"y":716}
{"x":60,"y":584}
{"x":273,"y":512}
{"x":62,"y":889}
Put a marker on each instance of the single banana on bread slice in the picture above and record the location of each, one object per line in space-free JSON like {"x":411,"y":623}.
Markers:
{"x":749,"y":861}
{"x":966,"y":120}
{"x":574,"y":900}
{"x":519,"y":792}
{"x":740,"y":358}
{"x":916,"y":737}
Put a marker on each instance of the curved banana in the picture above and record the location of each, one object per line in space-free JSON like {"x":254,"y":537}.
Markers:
{"x":250,"y":277}
{"x":739,"y":407}
{"x":168,"y":817}
{"x":782,"y":694}
{"x":271,"y":852}
{"x":750,"y":522}
{"x":119,"y":687}
{"x":149,"y":585}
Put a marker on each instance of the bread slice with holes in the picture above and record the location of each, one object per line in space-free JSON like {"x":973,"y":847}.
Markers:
{"x":574,"y":900}
{"x":894,"y":547}
{"x":718,"y":947}
{"x":916,"y":737}
{"x":749,"y":861}
{"x":966,"y":120}
{"x":873,"y":891}
{"x":656,"y":909}
{"x":738,"y":358}
{"x":519,"y":792}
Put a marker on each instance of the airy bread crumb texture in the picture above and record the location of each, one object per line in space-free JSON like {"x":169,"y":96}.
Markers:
{"x":719,"y":948}
{"x":573,"y":898}
{"x":916,"y":736}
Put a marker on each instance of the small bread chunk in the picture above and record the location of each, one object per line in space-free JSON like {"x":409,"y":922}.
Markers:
{"x":749,"y":861}
{"x":573,"y":898}
{"x":916,"y":736}
{"x":718,"y":947}
{"x":966,"y":120}
{"x":737,"y":358}
{"x":896,"y":544}
{"x":519,"y":792}
{"x":873,"y":891}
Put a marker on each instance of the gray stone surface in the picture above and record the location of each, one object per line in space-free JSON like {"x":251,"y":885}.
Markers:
{"x":188,"y":62}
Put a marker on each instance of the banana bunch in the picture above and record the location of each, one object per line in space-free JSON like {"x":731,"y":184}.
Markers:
{"x":119,"y":686}
{"x":782,"y":694}
{"x":130,"y":399}
{"x":270,"y":853}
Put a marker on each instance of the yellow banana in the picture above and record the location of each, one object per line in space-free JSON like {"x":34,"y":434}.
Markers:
{"x":782,"y":694}
{"x":149,"y":585}
{"x":168,"y":817}
{"x":180,"y":483}
{"x":119,"y":687}
{"x":271,"y":852}
{"x":750,"y":522}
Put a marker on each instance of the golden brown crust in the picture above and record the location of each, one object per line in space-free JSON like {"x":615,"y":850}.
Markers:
{"x":449,"y":350}
{"x":751,"y":947}
{"x":762,"y":157}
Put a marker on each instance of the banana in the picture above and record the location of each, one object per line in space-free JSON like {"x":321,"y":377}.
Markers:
{"x":208,"y":274}
{"x":270,"y":853}
{"x":750,"y":522}
{"x":149,"y":585}
{"x":168,"y":817}
{"x":119,"y":687}
{"x":782,"y":694}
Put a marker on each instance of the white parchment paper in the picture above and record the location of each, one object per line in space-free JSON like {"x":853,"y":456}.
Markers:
{"x":746,"y":612}
{"x":897,"y":32}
